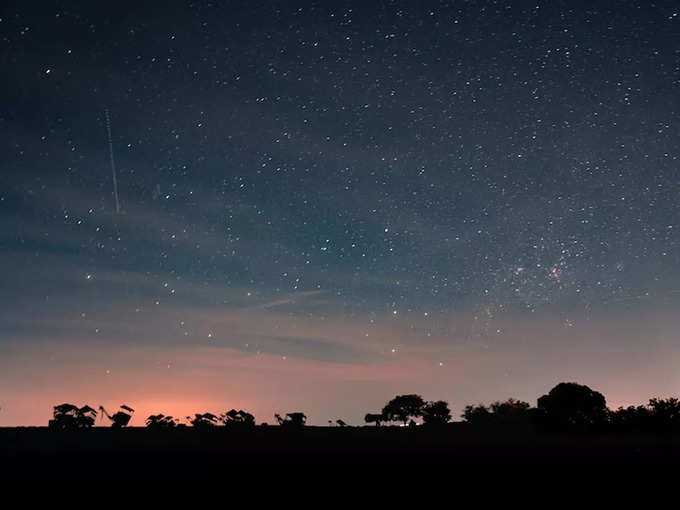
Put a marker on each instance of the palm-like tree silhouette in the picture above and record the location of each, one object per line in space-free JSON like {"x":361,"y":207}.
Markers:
{"x":119,"y":419}
{"x":71,"y":417}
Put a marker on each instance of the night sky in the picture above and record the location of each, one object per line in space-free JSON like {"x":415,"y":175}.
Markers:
{"x":325,"y":204}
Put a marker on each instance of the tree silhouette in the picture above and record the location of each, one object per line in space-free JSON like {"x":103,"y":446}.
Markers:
{"x":70,"y":417}
{"x":292,"y":420}
{"x":161,"y":422}
{"x":510,"y":411}
{"x":238,"y":419}
{"x":631,"y":419}
{"x":203,"y":421}
{"x":660,"y":415}
{"x":374,"y":418}
{"x":436,"y":413}
{"x":403,"y":407}
{"x":572,"y":406}
{"x":479,"y":414}
{"x":567,"y":407}
{"x":664,"y":414}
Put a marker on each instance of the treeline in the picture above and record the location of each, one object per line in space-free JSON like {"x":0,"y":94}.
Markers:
{"x":568,"y":408}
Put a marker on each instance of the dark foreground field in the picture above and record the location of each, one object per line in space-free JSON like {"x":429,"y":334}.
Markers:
{"x":455,"y":453}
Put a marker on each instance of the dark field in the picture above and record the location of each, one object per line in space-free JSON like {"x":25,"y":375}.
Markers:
{"x":318,"y":452}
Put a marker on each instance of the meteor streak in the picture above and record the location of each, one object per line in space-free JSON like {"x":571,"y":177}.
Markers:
{"x":113,"y":162}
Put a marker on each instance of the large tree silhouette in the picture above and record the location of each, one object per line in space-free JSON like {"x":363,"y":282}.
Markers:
{"x":403,"y":407}
{"x":572,"y":406}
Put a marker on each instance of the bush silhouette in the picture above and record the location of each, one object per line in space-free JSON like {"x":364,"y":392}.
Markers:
{"x":479,"y":414}
{"x":511,"y":412}
{"x":161,"y":422}
{"x":507,"y":412}
{"x":292,"y":420}
{"x":203,"y":421}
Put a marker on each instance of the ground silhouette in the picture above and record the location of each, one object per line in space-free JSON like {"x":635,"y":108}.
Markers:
{"x":570,"y":427}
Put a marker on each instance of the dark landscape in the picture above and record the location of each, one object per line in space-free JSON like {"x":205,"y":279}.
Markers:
{"x":570,"y":431}
{"x":407,"y":248}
